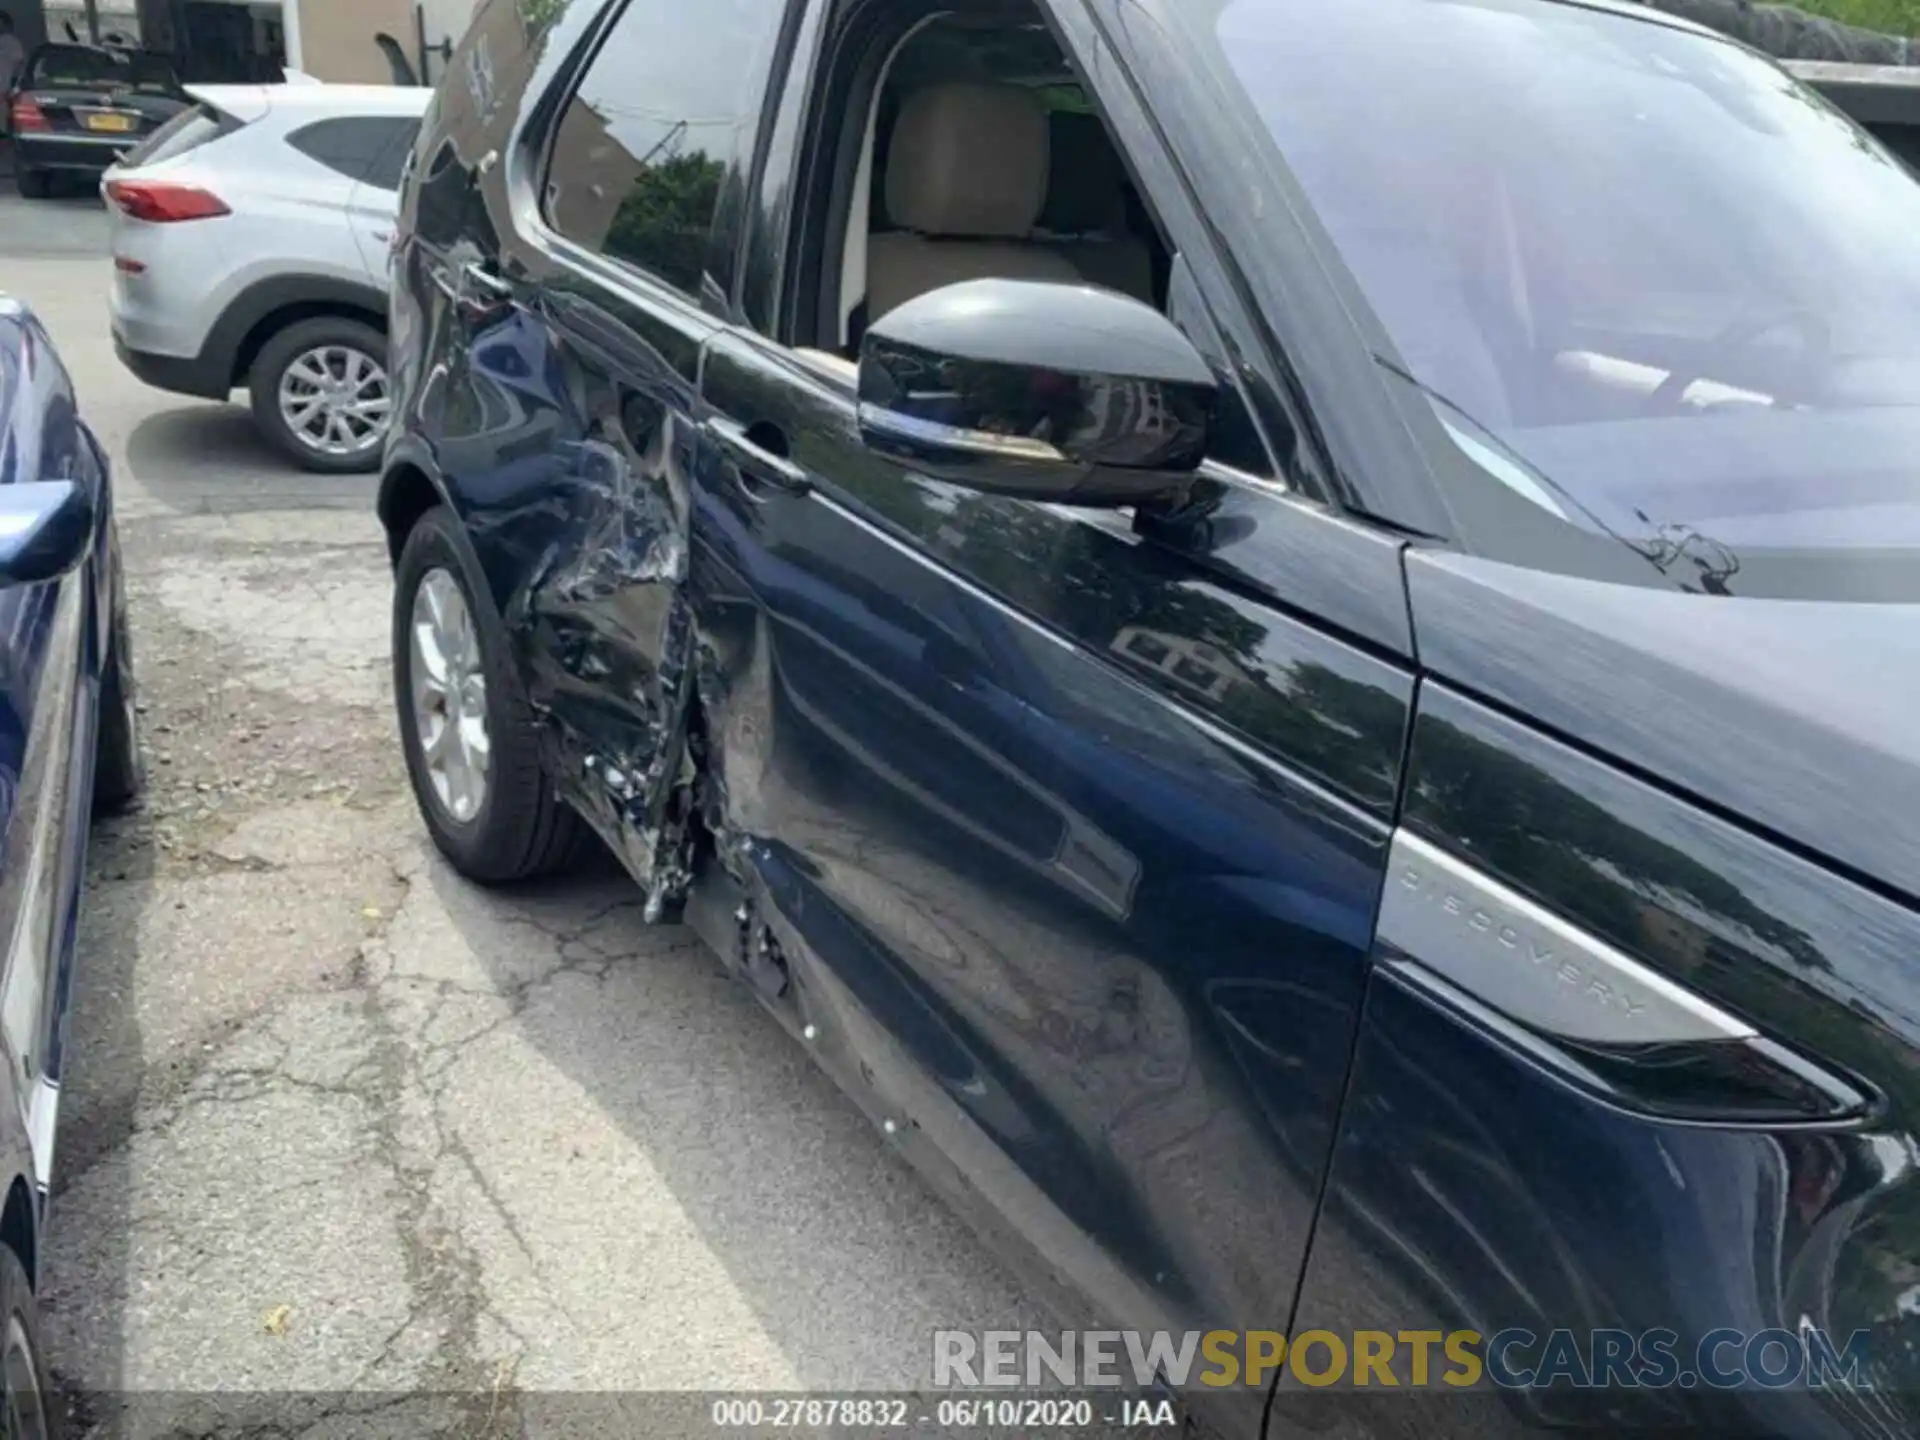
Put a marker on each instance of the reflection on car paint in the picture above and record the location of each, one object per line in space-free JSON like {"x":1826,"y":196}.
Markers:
{"x":1808,"y":1222}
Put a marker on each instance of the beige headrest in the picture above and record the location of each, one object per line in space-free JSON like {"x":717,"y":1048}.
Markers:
{"x":968,"y":159}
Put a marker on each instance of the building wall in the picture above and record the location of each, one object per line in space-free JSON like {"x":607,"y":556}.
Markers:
{"x":447,"y":19}
{"x":118,"y":19}
{"x":335,"y":37}
{"x":329,"y":39}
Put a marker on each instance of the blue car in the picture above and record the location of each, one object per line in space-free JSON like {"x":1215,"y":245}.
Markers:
{"x":1284,"y":632}
{"x":68,"y":750}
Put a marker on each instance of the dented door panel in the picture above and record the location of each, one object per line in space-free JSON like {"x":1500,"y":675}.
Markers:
{"x":1080,"y":925}
{"x":589,"y":566}
{"x":564,"y":428}
{"x":555,"y":403}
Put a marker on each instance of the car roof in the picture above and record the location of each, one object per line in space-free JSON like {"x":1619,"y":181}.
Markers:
{"x":1633,"y":11}
{"x":318,"y":99}
{"x":1623,"y":9}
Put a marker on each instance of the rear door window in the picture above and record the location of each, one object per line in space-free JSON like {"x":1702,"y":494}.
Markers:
{"x":391,"y":165}
{"x":83,"y":67}
{"x":365,"y":148}
{"x":153,"y":74}
{"x":640,"y":152}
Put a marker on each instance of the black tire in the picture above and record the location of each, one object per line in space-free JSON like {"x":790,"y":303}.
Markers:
{"x":264,"y":386}
{"x":119,"y":772}
{"x":33,"y":184}
{"x":522,"y":828}
{"x":28,"y":1397}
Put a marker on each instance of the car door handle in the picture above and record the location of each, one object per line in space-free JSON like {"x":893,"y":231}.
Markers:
{"x":483,"y":281}
{"x":471,"y":286}
{"x":473,"y":298}
{"x":754,"y":460}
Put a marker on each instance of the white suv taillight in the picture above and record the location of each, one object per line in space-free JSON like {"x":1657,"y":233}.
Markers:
{"x":162,"y":202}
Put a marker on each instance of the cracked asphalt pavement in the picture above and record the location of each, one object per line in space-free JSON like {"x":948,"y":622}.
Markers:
{"x":341,"y":1126}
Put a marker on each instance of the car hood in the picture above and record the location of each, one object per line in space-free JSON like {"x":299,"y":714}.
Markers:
{"x":1800,"y":717}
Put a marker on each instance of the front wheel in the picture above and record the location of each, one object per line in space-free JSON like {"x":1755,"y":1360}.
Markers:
{"x":321,"y":394}
{"x":472,"y":751}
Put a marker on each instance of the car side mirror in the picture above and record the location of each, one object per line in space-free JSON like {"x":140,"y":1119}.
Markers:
{"x":46,"y":529}
{"x":1047,"y":391}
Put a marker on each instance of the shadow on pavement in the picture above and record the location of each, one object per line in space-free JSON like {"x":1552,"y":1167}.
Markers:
{"x":82,"y":191}
{"x":209,"y":458}
{"x":105,"y":1041}
{"x":844,"y":1260}
{"x":72,"y":193}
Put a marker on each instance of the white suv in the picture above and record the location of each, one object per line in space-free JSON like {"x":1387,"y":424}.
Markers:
{"x":251,"y":247}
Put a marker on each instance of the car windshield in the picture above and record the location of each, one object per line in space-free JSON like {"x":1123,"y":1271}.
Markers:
{"x":1647,"y":280}
{"x":90,"y":68}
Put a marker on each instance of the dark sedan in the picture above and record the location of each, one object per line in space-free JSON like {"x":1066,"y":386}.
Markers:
{"x":68,"y":750}
{"x":79,"y":109}
{"x":1284,"y":632}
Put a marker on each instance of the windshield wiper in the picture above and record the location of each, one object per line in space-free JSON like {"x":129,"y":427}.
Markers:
{"x":1671,"y":544}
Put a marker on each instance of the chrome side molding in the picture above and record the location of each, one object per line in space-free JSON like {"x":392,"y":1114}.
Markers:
{"x":1526,"y":962}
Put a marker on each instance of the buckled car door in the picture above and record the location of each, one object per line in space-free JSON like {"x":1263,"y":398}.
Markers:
{"x":561,"y":395}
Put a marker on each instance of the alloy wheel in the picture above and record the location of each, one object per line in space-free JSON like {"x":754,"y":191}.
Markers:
{"x":449,"y":695}
{"x":335,"y":400}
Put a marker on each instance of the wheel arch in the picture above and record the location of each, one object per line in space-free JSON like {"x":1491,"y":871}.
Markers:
{"x":267,"y":307}
{"x":20,"y":1229}
{"x":407,"y":491}
{"x":270,"y":325}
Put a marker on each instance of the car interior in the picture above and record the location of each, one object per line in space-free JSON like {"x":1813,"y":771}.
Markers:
{"x":980,"y":156}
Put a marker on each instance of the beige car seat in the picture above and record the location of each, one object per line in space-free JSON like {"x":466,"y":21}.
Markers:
{"x":966,"y":179}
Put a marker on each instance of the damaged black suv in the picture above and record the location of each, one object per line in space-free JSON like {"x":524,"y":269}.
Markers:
{"x":1308,"y":699}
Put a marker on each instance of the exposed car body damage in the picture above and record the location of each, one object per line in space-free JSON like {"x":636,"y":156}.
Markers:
{"x":626,"y":761}
{"x":573,"y":487}
{"x":583,"y":530}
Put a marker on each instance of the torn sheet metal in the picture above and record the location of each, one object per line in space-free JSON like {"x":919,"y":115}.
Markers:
{"x":605,"y":628}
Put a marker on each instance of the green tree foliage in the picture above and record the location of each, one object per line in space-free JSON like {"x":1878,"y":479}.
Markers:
{"x":664,"y":222}
{"x":1895,"y":17}
{"x":539,"y":14}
